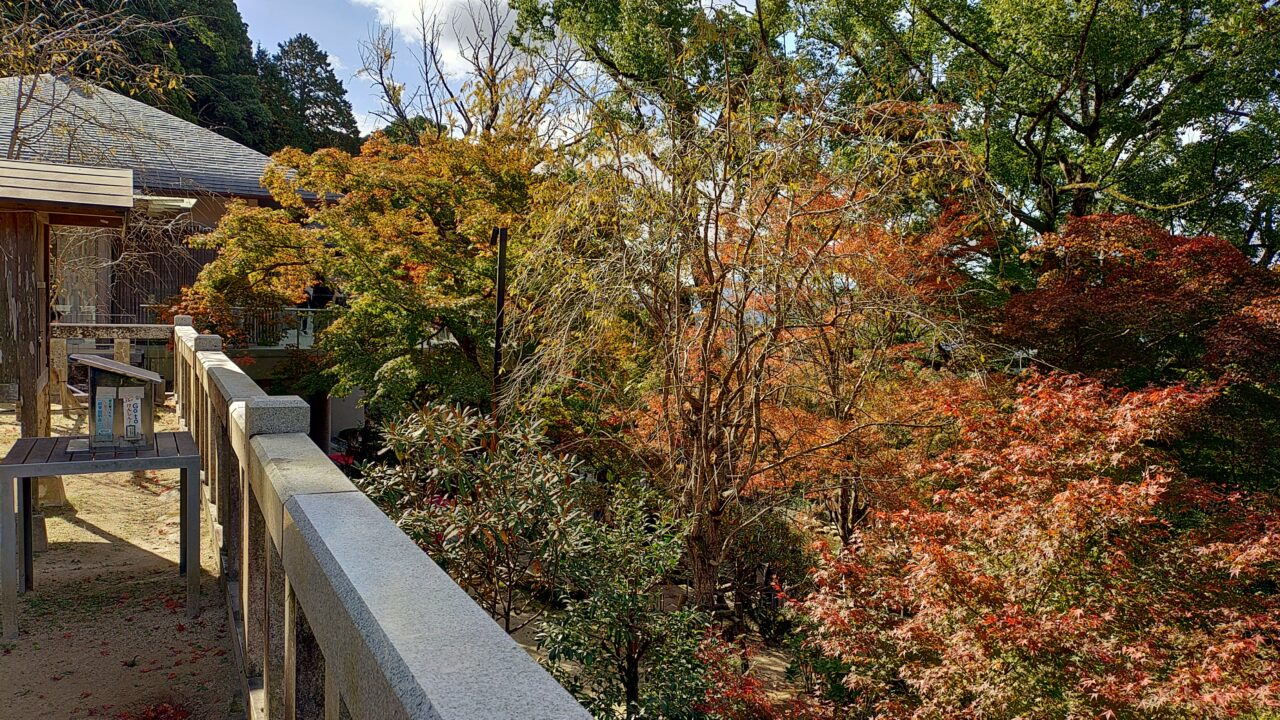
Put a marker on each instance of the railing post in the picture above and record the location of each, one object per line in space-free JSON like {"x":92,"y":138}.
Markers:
{"x":262,"y":573}
{"x":180,"y":366}
{"x":229,"y":387}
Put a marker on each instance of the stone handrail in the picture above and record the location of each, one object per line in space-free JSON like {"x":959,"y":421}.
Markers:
{"x":337,"y":613}
{"x":116,"y":332}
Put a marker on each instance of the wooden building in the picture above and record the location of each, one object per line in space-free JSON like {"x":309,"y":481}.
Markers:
{"x":34,"y":198}
{"x":183,"y":177}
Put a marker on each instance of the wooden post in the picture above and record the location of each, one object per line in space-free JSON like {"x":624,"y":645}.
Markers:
{"x":58,"y":374}
{"x":24,"y":310}
{"x":8,"y":559}
{"x":499,"y":317}
{"x":52,"y":492}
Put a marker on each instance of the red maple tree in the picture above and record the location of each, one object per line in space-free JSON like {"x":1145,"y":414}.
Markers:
{"x":1054,"y":562}
{"x":1121,"y":298}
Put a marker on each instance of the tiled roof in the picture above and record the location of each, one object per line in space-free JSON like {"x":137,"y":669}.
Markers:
{"x":82,"y":124}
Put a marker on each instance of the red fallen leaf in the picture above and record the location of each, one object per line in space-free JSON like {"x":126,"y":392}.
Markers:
{"x":66,"y":636}
{"x":55,"y":678}
{"x":85,"y":694}
{"x":104,"y":653}
{"x":172,"y":676}
{"x":181,"y":627}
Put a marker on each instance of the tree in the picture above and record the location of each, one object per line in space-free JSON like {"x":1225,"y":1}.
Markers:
{"x":69,"y":42}
{"x":1056,"y":562}
{"x":308,"y":103}
{"x":1167,"y":110}
{"x":402,"y":234}
{"x":1120,"y":297}
{"x":722,"y":215}
{"x":617,"y":643}
{"x":502,"y":86}
{"x":208,"y":44}
{"x":501,"y":522}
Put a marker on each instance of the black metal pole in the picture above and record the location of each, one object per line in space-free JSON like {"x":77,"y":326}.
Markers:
{"x":498,"y":318}
{"x":26,"y":493}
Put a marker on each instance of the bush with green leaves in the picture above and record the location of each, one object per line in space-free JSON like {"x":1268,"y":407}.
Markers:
{"x":621,"y":644}
{"x":493,"y":506}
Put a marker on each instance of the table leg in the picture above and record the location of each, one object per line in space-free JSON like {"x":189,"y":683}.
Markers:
{"x":26,"y":495}
{"x":191,"y":536}
{"x":8,"y":560}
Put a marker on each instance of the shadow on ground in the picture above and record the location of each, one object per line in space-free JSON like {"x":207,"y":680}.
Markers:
{"x":104,"y":631}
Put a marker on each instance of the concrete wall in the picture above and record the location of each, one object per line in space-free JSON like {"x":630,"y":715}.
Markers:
{"x":337,"y":612}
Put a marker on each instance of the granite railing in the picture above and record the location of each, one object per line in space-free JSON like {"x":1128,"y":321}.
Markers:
{"x":337,"y":613}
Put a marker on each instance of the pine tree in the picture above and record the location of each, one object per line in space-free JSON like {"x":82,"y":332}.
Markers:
{"x":308,"y":103}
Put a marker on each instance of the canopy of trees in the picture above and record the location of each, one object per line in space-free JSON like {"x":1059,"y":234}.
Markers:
{"x":191,"y":58}
{"x":928,"y":347}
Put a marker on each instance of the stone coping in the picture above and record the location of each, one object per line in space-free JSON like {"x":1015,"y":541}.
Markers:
{"x":113,"y":331}
{"x":400,"y":637}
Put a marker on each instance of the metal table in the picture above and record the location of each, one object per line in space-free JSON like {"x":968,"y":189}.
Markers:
{"x":30,"y":458}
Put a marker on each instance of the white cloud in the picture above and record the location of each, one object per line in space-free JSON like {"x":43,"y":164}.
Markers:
{"x":403,"y":16}
{"x":367,"y":122}
{"x":336,"y":63}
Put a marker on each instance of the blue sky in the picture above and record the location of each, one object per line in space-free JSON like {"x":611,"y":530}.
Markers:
{"x":338,"y":25}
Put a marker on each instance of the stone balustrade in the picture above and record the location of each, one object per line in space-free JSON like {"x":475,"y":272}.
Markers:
{"x":337,"y":613}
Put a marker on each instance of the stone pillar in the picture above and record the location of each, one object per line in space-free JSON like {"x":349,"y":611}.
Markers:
{"x":273,"y":663}
{"x":123,"y":350}
{"x":253,"y":582}
{"x":262,"y":572}
{"x":179,"y":364}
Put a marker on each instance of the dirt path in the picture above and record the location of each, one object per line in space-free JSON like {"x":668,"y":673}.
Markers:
{"x":105,"y":632}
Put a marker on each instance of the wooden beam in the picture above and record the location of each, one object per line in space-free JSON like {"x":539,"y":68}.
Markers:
{"x":78,"y":220}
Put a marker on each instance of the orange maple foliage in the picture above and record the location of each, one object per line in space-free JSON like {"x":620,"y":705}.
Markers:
{"x":1054,"y":561}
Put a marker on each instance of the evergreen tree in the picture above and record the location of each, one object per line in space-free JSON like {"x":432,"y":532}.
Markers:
{"x":308,"y":103}
{"x":284,"y":127}
{"x":208,"y":44}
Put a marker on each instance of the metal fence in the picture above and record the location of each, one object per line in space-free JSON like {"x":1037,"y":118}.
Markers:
{"x":268,"y":328}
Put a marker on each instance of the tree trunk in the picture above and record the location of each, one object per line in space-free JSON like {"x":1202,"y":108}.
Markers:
{"x":631,"y":684}
{"x":705,"y":560}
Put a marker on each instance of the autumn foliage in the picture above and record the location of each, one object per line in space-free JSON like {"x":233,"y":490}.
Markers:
{"x":1053,"y":561}
{"x":1121,"y":297}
